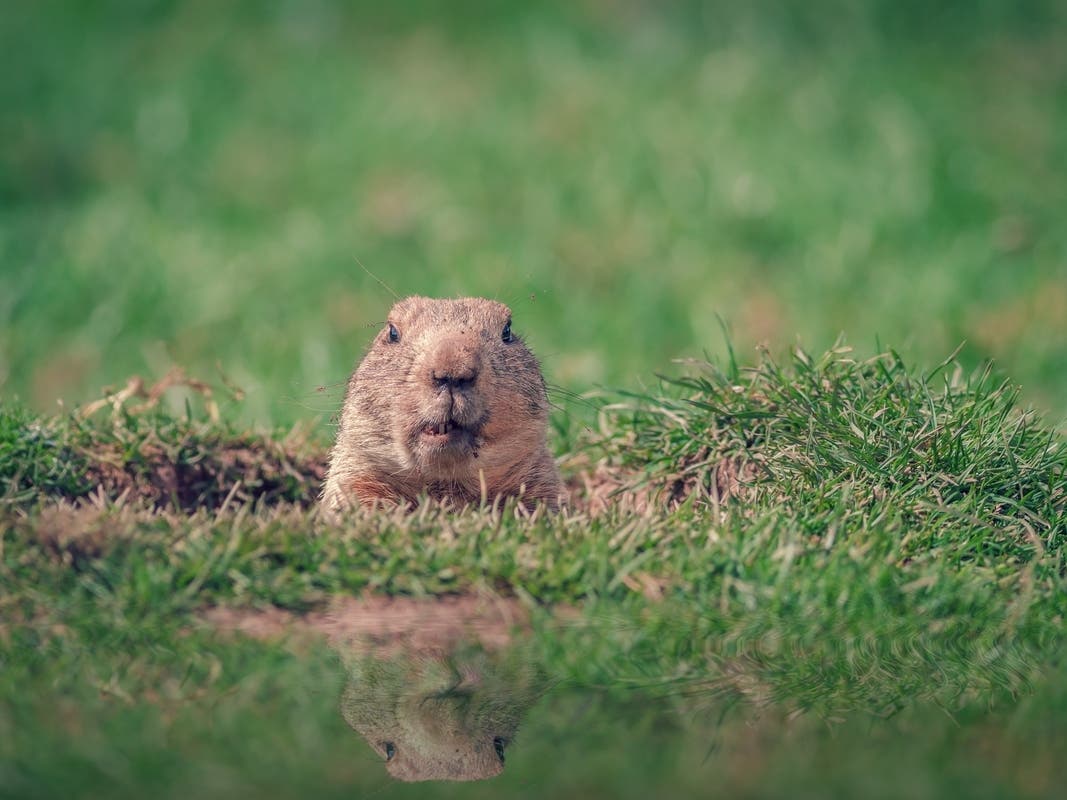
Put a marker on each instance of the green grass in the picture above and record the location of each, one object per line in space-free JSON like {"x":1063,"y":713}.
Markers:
{"x":819,"y":575}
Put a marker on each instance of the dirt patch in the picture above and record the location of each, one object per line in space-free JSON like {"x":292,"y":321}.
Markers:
{"x":74,"y":534}
{"x":207,"y":471}
{"x":187,"y":463}
{"x":417,"y":624}
{"x":603,"y":486}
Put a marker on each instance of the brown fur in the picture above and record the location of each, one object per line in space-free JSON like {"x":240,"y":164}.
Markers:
{"x":451,"y":366}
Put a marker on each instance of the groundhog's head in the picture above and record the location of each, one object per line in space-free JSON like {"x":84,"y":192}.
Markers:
{"x":451,"y":388}
{"x":437,"y":716}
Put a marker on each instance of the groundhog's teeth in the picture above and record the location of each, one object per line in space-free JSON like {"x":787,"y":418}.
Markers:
{"x":440,"y":429}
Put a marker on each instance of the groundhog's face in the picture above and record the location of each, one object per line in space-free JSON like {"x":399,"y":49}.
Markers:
{"x":460,"y":389}
{"x":440,"y":717}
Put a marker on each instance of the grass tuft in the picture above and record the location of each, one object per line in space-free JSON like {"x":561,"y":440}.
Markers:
{"x":945,"y":458}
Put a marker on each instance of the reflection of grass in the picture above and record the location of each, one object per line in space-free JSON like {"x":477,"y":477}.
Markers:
{"x":895,"y":542}
{"x":872,"y":167}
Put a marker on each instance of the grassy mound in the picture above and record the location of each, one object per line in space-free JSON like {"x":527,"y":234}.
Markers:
{"x":181,"y":463}
{"x":947,"y":460}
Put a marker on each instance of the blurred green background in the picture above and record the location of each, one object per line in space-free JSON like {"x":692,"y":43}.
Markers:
{"x":192,"y":183}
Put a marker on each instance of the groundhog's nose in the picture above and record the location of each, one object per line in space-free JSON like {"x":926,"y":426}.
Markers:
{"x":454,"y":366}
{"x":455,"y":378}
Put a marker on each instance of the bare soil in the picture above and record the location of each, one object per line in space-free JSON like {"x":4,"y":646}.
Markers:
{"x":416,"y":624}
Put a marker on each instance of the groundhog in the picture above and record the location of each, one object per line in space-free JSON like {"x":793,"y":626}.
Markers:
{"x":447,"y":402}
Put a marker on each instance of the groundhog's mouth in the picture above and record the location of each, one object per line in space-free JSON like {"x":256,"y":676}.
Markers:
{"x":442,"y":434}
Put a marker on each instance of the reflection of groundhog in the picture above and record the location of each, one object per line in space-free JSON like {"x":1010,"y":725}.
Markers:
{"x":447,"y":402}
{"x":439,"y":717}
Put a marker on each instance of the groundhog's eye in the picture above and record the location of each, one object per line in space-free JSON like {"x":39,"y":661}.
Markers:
{"x":506,"y":334}
{"x":394,"y":334}
{"x":390,"y":750}
{"x":499,"y":745}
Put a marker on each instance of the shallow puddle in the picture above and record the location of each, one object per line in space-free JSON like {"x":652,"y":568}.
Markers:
{"x":484,"y":697}
{"x":460,"y":690}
